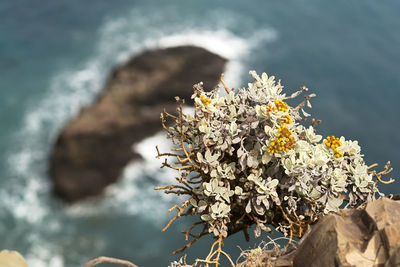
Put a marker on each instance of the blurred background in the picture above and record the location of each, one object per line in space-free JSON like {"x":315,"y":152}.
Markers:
{"x":56,"y":55}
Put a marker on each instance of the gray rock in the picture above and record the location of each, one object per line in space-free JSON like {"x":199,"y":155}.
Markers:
{"x":368,"y":237}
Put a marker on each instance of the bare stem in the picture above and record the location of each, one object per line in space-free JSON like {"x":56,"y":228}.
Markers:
{"x":180,"y":211}
{"x":221,"y":78}
{"x":104,"y":259}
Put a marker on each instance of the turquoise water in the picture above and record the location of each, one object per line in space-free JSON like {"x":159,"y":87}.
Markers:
{"x":55,"y":56}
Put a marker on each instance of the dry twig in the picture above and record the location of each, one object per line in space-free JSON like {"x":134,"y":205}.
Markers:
{"x":104,"y":259}
{"x":387,"y":169}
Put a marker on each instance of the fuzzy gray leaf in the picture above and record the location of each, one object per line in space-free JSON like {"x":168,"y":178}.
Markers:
{"x":254,"y":124}
{"x":236,"y":140}
{"x":252,"y":162}
{"x":248,"y":207}
{"x":257,"y":231}
{"x":243,"y":161}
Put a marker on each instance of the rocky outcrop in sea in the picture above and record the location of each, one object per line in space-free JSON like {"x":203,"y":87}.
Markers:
{"x":93,"y":148}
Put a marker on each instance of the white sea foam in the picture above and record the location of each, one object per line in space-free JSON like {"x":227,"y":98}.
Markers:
{"x":134,"y":193}
{"x":40,"y":256}
{"x":224,"y":43}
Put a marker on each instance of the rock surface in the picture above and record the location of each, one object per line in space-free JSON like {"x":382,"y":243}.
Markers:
{"x":369,"y":237}
{"x":92,"y":149}
{"x":11,"y":259}
{"x":358,"y":237}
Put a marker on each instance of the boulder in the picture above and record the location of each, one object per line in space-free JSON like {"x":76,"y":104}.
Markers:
{"x":362,"y":237}
{"x":368,"y":237}
{"x":92,"y":149}
{"x":11,"y":259}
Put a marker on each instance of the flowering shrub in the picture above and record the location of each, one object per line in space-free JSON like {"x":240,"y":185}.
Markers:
{"x":244,"y":159}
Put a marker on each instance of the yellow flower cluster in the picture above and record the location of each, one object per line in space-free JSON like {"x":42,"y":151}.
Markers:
{"x":284,"y":142}
{"x":269,"y":109}
{"x":285,"y":139}
{"x":206,"y":101}
{"x":334,"y":142}
{"x":281,"y":106}
{"x":286,"y":119}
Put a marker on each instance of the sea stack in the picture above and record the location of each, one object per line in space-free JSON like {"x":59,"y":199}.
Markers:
{"x":92,"y":149}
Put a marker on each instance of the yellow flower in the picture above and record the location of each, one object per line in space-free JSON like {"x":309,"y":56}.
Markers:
{"x":338,"y":154}
{"x":285,"y":141}
{"x":269,"y":108}
{"x":286,"y":119}
{"x":206,"y":101}
{"x":281,"y":106}
{"x":334,"y":142}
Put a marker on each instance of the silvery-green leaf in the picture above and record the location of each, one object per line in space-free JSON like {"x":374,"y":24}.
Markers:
{"x":214,"y":208}
{"x":232,"y":110}
{"x":206,"y":217}
{"x":257,"y":231}
{"x":254,"y":124}
{"x":225,"y":208}
{"x":243,"y":161}
{"x":323,"y":198}
{"x":215,"y":157}
{"x":219,"y":168}
{"x":228,"y":168}
{"x":208,"y":187}
{"x":305,"y":113}
{"x":227,"y":197}
{"x":251,"y":177}
{"x":238,"y":190}
{"x":224,"y":146}
{"x":200,"y":157}
{"x":215,"y":232}
{"x":273,"y":183}
{"x":236,"y":140}
{"x":266,"y":203}
{"x":248,"y":207}
{"x":315,"y":194}
{"x":240,"y":152}
{"x":295,"y":94}
{"x":259,"y":110}
{"x":252,"y":162}
{"x":336,"y":201}
{"x":233,"y":128}
{"x":259,"y":209}
{"x":193,"y":202}
{"x":202,"y":206}
{"x":292,"y":188}
{"x":200,"y":209}
{"x":214,"y":183}
{"x":208,"y":156}
{"x":267,"y":129}
{"x":202,"y":203}
{"x":266,"y":158}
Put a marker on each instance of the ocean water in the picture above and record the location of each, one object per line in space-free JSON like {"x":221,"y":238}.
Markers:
{"x":56,"y":55}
